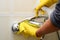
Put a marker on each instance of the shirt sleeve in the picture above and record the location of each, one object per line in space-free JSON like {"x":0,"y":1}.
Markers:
{"x":55,"y":16}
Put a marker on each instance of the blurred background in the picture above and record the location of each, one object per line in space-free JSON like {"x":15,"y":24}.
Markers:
{"x":12,"y":11}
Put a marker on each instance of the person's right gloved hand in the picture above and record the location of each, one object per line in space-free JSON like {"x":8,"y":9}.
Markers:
{"x":46,"y":3}
{"x":27,"y":28}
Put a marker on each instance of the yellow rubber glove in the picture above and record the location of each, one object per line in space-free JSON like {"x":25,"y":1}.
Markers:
{"x":43,"y":3}
{"x":27,"y":28}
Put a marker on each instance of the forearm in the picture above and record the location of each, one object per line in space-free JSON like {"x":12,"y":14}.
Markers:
{"x":46,"y":28}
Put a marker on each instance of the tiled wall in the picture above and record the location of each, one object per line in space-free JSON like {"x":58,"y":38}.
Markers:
{"x":12,"y":11}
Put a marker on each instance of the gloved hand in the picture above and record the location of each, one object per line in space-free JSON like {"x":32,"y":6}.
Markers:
{"x":27,"y":28}
{"x":46,"y":3}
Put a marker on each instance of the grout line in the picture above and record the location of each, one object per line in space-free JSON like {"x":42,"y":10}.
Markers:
{"x":17,"y":14}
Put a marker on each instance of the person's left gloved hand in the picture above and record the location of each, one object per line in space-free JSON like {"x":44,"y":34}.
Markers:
{"x":27,"y":28}
{"x":43,"y":3}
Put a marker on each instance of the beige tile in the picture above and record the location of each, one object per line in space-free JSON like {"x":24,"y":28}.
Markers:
{"x":51,"y":36}
{"x":4,"y":28}
{"x":4,"y":5}
{"x":23,"y":5}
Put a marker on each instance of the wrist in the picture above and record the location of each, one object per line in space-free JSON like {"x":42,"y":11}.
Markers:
{"x":39,"y":33}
